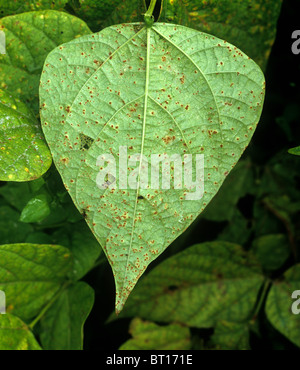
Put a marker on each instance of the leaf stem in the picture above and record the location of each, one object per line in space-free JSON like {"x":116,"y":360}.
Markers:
{"x":48,"y":305}
{"x":261,"y":300}
{"x":148,"y":17}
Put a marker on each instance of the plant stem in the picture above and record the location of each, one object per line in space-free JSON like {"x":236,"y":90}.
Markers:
{"x":148,"y":17}
{"x":263,"y":295}
{"x":151,"y":8}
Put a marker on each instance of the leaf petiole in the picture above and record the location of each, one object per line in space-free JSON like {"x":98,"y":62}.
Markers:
{"x":148,"y":17}
{"x":48,"y":305}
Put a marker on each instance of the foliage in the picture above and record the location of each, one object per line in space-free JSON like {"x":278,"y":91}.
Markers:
{"x":228,"y":278}
{"x":192,"y":286}
{"x":20,"y":6}
{"x":295,"y":151}
{"x":29,"y":38}
{"x":153,"y":121}
{"x":148,"y":335}
{"x":24,"y":154}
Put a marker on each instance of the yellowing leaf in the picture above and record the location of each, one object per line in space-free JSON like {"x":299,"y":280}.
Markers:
{"x":29,"y":38}
{"x":15,"y":335}
{"x":22,"y":6}
{"x":199,"y":287}
{"x":24,"y":154}
{"x":282,"y":305}
{"x":150,"y":336}
{"x":31,"y":275}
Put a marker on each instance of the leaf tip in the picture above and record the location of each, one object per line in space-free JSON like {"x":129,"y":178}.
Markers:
{"x":121,"y":299}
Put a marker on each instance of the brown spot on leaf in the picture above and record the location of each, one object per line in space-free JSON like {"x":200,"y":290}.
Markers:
{"x":169,"y":139}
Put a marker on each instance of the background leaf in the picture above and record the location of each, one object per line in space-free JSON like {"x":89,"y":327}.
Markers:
{"x":279,"y":303}
{"x":12,"y":230}
{"x":15,"y":335}
{"x":198,"y":287}
{"x":231,"y":336}
{"x":24,"y":154}
{"x":30,"y":276}
{"x":93,"y":11}
{"x":17,"y":194}
{"x":29,"y":38}
{"x":150,"y":336}
{"x":126,"y":12}
{"x":64,"y":226}
{"x":272,"y":250}
{"x":238,"y":183}
{"x":62,"y":326}
{"x":85,"y":249}
{"x":22,"y":6}
{"x":237,"y":230}
{"x":250,"y":25}
{"x":295,"y":151}
{"x":37,"y":209}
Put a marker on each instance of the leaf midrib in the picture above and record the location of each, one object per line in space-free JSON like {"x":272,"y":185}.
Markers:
{"x":142,"y":149}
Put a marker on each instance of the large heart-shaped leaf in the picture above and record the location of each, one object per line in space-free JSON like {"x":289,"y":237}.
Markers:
{"x":166,"y":90}
{"x":249,"y":24}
